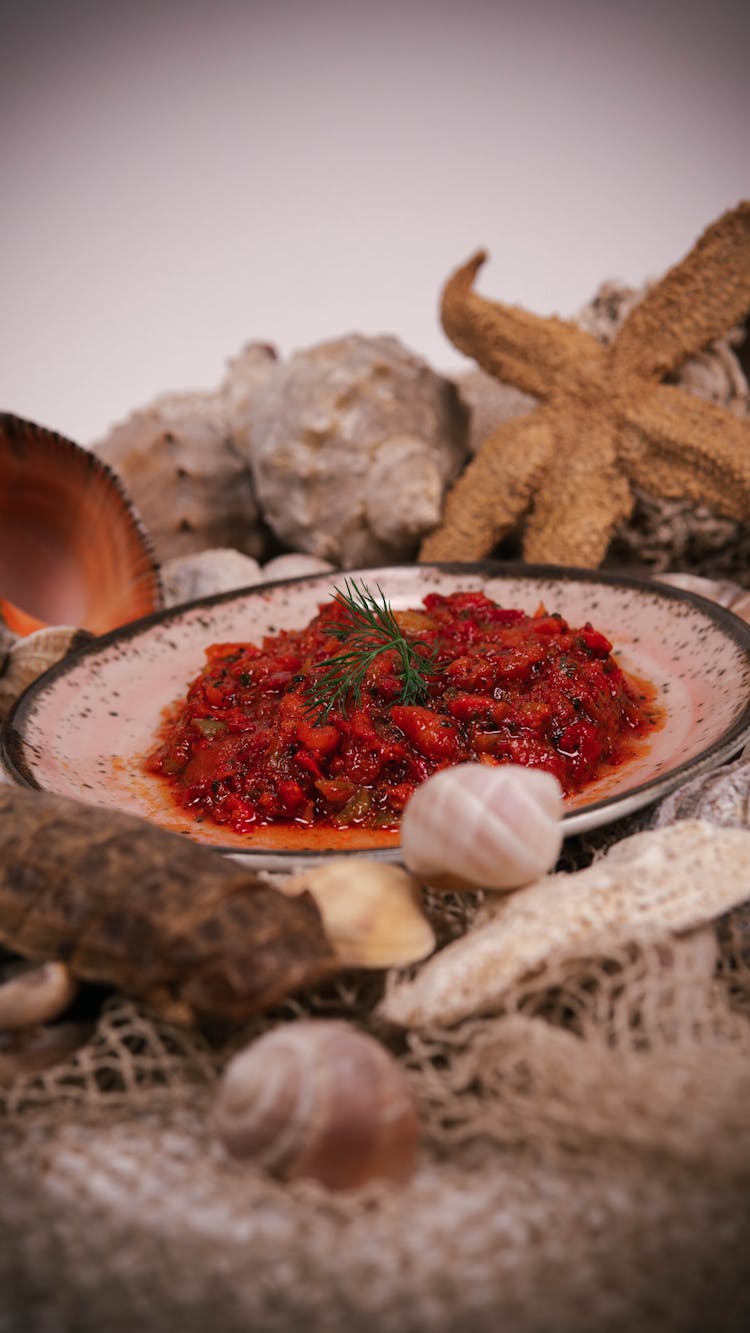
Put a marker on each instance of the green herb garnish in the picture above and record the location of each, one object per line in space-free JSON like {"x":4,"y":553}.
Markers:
{"x":371,"y":628}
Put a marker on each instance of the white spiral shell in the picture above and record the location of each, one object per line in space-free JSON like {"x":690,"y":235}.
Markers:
{"x":483,"y":826}
{"x":319,"y":1098}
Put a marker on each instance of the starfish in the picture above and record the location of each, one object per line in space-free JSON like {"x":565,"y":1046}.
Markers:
{"x":606,"y":420}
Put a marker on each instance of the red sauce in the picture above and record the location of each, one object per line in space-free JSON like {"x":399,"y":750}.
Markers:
{"x":244,"y":750}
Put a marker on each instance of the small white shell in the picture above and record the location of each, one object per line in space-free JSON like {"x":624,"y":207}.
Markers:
{"x":372,"y":913}
{"x":319,"y":1099}
{"x":34,"y":995}
{"x":204,"y":573}
{"x":294,"y":565}
{"x":482,"y":826}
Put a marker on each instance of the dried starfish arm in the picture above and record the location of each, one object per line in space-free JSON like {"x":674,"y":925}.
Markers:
{"x":582,"y":498}
{"x":669,"y":880}
{"x":537,"y":355}
{"x":680,"y":447}
{"x":493,"y":492}
{"x":696,"y":301}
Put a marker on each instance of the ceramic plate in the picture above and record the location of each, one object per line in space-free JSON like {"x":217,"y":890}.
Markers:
{"x":84,"y":727}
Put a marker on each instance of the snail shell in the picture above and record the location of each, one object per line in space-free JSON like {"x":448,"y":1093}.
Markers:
{"x":481,"y":826}
{"x":320,"y":1099}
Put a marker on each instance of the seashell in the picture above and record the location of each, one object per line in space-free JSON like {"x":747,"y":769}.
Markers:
{"x":72,"y":547}
{"x":29,"y":657}
{"x":372,"y":913}
{"x":647,"y":886}
{"x":204,"y":573}
{"x":352,"y":444}
{"x":490,"y":402}
{"x":182,"y":458}
{"x":30,"y":995}
{"x":320,"y":1099}
{"x":731,"y":595}
{"x":721,"y":796}
{"x":34,"y":1050}
{"x":294,"y":565}
{"x":481,"y":826}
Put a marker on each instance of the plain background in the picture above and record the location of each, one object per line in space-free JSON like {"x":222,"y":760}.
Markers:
{"x":181,"y":178}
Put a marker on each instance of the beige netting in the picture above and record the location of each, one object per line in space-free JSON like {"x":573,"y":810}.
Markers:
{"x":585,"y":1165}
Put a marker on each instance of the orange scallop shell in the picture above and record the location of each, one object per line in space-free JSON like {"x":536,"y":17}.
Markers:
{"x":73,"y":550}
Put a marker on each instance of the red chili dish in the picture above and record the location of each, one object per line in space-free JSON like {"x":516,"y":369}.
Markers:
{"x":247,"y":748}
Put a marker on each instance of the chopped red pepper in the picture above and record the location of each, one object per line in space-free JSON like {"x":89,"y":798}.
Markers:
{"x":245,"y":748}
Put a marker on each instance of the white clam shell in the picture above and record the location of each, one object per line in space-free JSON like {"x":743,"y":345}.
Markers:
{"x":476,"y":825}
{"x":319,"y":1099}
{"x":372,"y":913}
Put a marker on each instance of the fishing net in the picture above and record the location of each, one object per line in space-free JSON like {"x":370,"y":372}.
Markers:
{"x":585,"y":1164}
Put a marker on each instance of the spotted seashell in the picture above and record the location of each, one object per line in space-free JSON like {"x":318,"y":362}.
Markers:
{"x":319,"y":1099}
{"x":482,"y":826}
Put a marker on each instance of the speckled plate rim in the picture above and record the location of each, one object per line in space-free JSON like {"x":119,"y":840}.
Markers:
{"x":21,"y":761}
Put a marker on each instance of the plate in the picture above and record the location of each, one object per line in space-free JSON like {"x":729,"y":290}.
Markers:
{"x":83,"y":728}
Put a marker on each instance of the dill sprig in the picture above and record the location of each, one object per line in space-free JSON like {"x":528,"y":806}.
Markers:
{"x":370,"y":629}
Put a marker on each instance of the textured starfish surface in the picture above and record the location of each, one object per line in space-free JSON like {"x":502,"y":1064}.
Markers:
{"x":606,"y":420}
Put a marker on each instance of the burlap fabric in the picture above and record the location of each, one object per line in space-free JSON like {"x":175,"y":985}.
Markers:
{"x":585,"y":1165}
